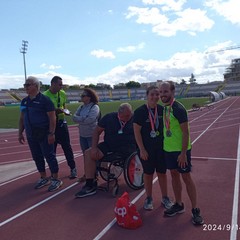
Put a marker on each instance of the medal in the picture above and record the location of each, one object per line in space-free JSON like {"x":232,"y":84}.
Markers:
{"x":167,"y":119}
{"x":168,"y":133}
{"x":120,"y":131}
{"x":154,"y":122}
{"x":122,"y":125}
{"x":153,"y":134}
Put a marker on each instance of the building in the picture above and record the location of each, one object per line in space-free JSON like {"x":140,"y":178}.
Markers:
{"x":232,"y":73}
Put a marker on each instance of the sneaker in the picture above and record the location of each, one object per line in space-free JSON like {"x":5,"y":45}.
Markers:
{"x":166,"y":202}
{"x":148,"y":203}
{"x":42,"y":182}
{"x":55,"y":184}
{"x":73,"y":173}
{"x":196,"y":217}
{"x":86,"y":191}
{"x":175,"y":208}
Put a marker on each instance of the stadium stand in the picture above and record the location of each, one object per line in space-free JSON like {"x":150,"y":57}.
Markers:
{"x":6,"y":98}
{"x":181,"y":90}
{"x":232,"y":88}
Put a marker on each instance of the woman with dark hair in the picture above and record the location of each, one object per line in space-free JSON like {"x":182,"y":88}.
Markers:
{"x":148,"y":131}
{"x":87,"y":116}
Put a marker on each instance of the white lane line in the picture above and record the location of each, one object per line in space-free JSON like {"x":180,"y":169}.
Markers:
{"x":215,"y":158}
{"x":213,"y":122}
{"x":234,"y":225}
{"x":36,"y":205}
{"x":35,"y":171}
{"x":107,"y":228}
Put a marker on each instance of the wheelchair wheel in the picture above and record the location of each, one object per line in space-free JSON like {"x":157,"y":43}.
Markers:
{"x":133,"y":172}
{"x":109,"y":170}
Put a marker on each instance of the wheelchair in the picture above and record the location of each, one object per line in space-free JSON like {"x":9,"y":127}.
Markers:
{"x":111,"y":166}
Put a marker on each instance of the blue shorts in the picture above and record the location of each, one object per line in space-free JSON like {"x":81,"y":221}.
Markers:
{"x":172,"y":163}
{"x":85,"y":143}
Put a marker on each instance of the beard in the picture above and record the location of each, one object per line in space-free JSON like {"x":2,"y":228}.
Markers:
{"x":165,"y":99}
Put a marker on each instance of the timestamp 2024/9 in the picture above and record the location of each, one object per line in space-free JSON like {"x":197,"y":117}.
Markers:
{"x":220,"y":227}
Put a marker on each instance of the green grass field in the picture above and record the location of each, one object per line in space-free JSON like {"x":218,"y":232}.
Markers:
{"x":10,"y":114}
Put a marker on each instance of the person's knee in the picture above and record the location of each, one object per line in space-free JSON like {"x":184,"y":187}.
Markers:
{"x":186,"y":178}
{"x":175,"y":174}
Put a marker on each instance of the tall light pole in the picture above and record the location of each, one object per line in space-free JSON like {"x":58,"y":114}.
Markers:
{"x":23,"y":50}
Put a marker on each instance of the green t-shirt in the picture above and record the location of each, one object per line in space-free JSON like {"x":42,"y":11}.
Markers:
{"x":178,"y":115}
{"x":59,"y":100}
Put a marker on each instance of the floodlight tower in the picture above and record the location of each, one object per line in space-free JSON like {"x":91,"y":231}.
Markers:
{"x":23,"y":50}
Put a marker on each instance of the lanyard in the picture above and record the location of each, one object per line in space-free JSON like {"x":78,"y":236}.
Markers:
{"x":167,"y":115}
{"x":153,"y":118}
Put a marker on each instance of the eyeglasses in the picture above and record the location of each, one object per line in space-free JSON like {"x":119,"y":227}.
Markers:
{"x":27,"y":84}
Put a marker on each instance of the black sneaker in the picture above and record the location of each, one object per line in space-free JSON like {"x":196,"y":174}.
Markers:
{"x":176,"y":208}
{"x":55,"y":184}
{"x":42,"y":182}
{"x":86,"y":191}
{"x":196,"y":217}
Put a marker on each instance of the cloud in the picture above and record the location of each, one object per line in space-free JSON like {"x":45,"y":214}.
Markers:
{"x":168,"y":5}
{"x":228,"y":9}
{"x":206,"y":66}
{"x":131,"y":48}
{"x":100,"y":53}
{"x":167,"y":25}
{"x":50,"y":67}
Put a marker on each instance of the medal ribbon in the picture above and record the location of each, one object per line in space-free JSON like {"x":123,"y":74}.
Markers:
{"x":153,"y":118}
{"x":122,"y":124}
{"x":167,"y":118}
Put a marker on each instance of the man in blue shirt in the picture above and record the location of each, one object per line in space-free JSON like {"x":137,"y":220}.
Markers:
{"x":38,"y":119}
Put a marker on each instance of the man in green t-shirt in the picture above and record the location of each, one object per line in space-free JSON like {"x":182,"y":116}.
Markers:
{"x":177,"y":151}
{"x":58,"y":97}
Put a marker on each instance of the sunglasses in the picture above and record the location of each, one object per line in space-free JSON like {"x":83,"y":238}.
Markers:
{"x":27,"y":84}
{"x":84,"y":95}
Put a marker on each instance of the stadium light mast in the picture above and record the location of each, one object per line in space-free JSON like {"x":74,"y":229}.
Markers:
{"x":23,"y":50}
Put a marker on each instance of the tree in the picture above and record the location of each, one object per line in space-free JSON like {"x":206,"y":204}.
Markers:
{"x":183,"y":82}
{"x":192,"y":79}
{"x":133,"y":84}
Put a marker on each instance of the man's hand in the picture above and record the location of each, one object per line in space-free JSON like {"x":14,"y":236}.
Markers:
{"x":182,"y":160}
{"x":21,"y":138}
{"x":59,"y":110}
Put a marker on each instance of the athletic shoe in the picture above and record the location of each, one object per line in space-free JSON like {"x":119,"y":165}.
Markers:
{"x":166,"y":202}
{"x":196,"y":217}
{"x":86,"y":191}
{"x":73,"y":173}
{"x":176,"y":208}
{"x":55,"y":184}
{"x":148,"y":203}
{"x":42,"y":182}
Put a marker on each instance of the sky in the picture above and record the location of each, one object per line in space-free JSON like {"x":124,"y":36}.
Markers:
{"x":117,"y":41}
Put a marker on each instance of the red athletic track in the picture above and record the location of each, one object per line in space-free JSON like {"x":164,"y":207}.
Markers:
{"x":28,"y":214}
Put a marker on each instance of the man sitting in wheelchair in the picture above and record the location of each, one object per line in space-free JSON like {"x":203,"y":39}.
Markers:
{"x":118,"y":137}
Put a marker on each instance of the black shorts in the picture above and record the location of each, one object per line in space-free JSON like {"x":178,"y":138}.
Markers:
{"x":124,"y":151}
{"x":155,"y":162}
{"x":172,"y":163}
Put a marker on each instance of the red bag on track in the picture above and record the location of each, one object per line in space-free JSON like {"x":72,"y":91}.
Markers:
{"x":126,"y":213}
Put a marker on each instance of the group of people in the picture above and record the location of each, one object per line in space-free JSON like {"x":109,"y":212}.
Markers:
{"x":159,"y":133}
